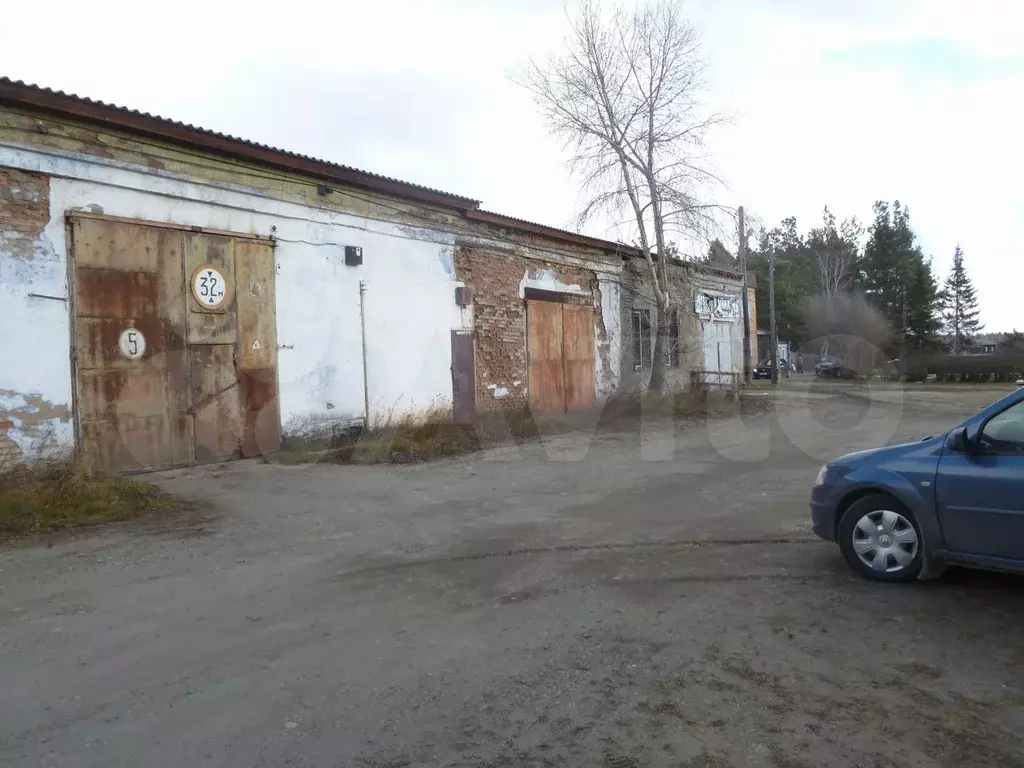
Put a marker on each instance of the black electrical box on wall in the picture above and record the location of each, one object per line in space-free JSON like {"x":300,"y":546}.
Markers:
{"x":353,"y":256}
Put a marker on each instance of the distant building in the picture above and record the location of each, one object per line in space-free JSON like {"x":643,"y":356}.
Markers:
{"x":985,"y":344}
{"x":706,"y":324}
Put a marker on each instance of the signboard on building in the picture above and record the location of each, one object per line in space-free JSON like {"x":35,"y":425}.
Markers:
{"x":717,"y":307}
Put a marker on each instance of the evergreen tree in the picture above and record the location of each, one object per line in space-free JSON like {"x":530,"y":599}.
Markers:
{"x":885,"y":265}
{"x":718,"y":256}
{"x":824,"y":261}
{"x":960,"y":310}
{"x":896,"y":279}
{"x":924,"y":307}
{"x":794,"y":280}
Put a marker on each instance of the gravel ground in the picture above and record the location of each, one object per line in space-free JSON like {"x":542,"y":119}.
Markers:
{"x":647,"y":597}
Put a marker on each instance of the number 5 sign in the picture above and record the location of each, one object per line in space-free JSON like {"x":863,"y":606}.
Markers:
{"x":210,"y":287}
{"x":132,"y":343}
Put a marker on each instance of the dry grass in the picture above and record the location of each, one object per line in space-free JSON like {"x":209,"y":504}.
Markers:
{"x":434,"y":435}
{"x":49,"y":496}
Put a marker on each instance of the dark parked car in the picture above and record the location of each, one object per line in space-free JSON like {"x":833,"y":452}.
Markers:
{"x":831,"y":368}
{"x":905,"y":510}
{"x":763,"y":370}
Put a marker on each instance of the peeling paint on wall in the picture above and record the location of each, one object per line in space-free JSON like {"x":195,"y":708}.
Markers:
{"x":447,"y":258}
{"x":29,"y":327}
{"x":546,"y":280}
{"x":38,"y":426}
{"x":24,"y":211}
{"x":608,"y":341}
{"x":30,"y":409}
{"x":10,"y":452}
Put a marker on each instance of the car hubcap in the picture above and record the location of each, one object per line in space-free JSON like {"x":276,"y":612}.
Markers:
{"x":885,"y":541}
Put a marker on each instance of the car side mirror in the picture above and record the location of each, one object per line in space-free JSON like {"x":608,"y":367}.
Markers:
{"x":959,"y":441}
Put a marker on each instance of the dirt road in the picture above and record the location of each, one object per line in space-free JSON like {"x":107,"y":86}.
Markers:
{"x":636,"y":598}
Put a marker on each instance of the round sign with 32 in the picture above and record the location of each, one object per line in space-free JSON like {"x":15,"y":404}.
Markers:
{"x":209,"y":286}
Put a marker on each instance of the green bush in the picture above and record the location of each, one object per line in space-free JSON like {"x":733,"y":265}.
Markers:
{"x":48,"y":496}
{"x":973,"y":368}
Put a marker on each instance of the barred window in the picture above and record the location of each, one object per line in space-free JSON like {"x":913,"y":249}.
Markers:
{"x":641,"y":339}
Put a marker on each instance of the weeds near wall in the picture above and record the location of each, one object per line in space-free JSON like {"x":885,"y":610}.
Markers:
{"x":55,"y":494}
{"x":433,"y":435}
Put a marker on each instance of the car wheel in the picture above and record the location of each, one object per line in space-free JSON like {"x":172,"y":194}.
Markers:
{"x":880,"y":539}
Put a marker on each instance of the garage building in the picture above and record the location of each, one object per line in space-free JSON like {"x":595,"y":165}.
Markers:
{"x":172,"y":295}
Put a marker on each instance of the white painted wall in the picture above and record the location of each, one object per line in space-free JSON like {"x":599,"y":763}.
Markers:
{"x":34,"y":341}
{"x":409,"y":293}
{"x":722,"y":334}
{"x":408,"y":275}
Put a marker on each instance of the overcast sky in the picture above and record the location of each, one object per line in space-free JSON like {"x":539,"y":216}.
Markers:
{"x":837,"y":102}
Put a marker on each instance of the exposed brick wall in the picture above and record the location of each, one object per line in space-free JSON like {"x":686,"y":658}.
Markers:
{"x":683,"y":285}
{"x":24,"y":211}
{"x":499,"y":319}
{"x":494,"y":274}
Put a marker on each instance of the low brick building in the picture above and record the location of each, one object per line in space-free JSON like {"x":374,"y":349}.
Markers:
{"x":706,"y":336}
{"x":174,"y":295}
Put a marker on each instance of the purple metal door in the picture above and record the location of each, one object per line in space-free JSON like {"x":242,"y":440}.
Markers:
{"x":463,"y":378}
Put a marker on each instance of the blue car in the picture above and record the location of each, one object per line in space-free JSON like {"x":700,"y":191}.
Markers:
{"x":902,"y":512}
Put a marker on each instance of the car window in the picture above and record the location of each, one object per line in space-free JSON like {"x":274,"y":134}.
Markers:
{"x":1004,"y":432}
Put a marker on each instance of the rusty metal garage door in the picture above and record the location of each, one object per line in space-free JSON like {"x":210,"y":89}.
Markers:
{"x":561,"y":351}
{"x":175,"y":346}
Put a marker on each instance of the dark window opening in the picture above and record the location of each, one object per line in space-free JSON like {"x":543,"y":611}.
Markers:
{"x":641,"y":339}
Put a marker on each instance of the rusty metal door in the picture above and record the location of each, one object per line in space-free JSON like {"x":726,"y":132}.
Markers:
{"x":212,"y":340}
{"x":257,"y":348}
{"x":578,"y":357}
{"x":544,"y":335}
{"x":463,"y":377}
{"x":130,"y":352}
{"x":176,"y":345}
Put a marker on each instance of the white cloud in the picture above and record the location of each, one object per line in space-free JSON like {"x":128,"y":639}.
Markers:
{"x":418,"y":89}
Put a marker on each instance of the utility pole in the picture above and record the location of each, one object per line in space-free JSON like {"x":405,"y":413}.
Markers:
{"x":746,"y":299}
{"x":771,"y":311}
{"x":903,"y":332}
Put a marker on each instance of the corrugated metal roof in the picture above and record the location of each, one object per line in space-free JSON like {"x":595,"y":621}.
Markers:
{"x":17,"y":91}
{"x":544,"y":229}
{"x":72,"y":105}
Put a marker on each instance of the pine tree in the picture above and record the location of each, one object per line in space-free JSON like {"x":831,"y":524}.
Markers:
{"x":960,"y":310}
{"x":895,"y":276}
{"x":719,"y":256}
{"x":924,"y":307}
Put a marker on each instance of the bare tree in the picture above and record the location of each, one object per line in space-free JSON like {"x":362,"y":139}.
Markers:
{"x":626,"y":95}
{"x":834,"y":250}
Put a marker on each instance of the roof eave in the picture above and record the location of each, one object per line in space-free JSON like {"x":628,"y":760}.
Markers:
{"x":553,"y":233}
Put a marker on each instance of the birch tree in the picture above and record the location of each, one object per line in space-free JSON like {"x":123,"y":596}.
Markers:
{"x":834,"y":250}
{"x":627,"y":96}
